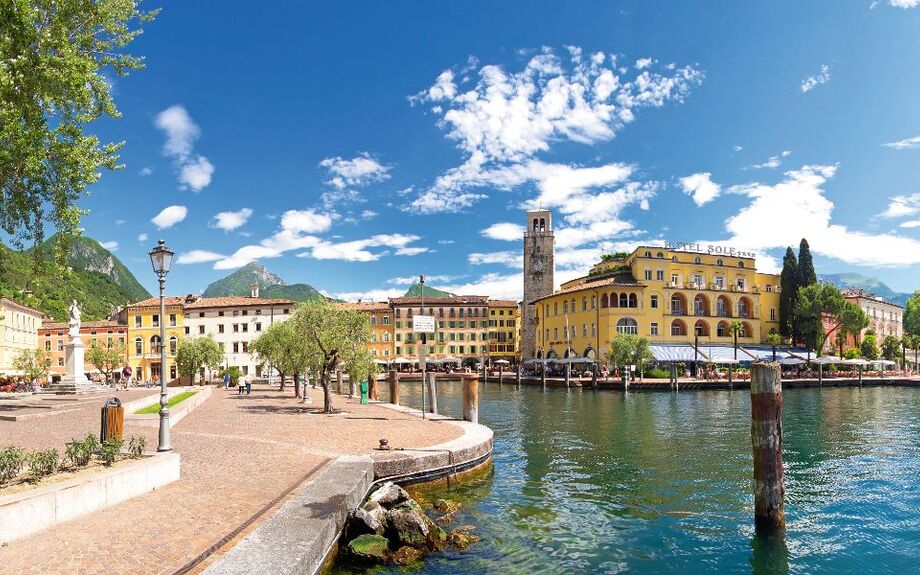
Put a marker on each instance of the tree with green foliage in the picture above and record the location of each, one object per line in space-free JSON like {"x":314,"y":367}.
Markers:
{"x":107,"y":358}
{"x":890,"y":347}
{"x":814,"y":302}
{"x":789,"y":288}
{"x":280,"y":348}
{"x":55,"y":54}
{"x":869,"y":346}
{"x":33,"y":363}
{"x":331,"y":336}
{"x":629,"y":349}
{"x":197,"y":352}
{"x":773,"y":339}
{"x":912,"y":315}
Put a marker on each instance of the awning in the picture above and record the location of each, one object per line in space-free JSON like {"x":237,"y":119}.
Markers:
{"x":674,"y":353}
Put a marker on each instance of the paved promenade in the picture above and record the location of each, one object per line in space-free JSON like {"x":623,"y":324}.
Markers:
{"x":240,"y":457}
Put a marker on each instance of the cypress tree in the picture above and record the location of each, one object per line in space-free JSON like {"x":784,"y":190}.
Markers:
{"x":806,"y":273}
{"x":789,"y":289}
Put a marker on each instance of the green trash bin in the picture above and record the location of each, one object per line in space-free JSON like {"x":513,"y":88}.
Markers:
{"x":364,"y":387}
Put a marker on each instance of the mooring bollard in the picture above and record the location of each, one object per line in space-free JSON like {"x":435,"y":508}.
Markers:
{"x":767,"y":446}
{"x":372,"y":387}
{"x":432,"y":393}
{"x":393,"y":379}
{"x":470,"y":397}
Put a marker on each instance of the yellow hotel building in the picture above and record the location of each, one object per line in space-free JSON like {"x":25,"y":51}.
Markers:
{"x":666,"y":295}
{"x":143,"y":320}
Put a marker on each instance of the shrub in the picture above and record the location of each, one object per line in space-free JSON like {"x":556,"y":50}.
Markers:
{"x":43,"y":463}
{"x":136,"y":445}
{"x":11,"y":460}
{"x":111,"y":448}
{"x":80,"y":452}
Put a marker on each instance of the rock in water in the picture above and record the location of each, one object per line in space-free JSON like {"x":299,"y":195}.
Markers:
{"x":406,"y":555}
{"x":389,"y":495}
{"x":369,"y":548}
{"x":408,"y":526}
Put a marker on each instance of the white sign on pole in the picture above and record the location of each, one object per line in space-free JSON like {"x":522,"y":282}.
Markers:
{"x":423,"y":324}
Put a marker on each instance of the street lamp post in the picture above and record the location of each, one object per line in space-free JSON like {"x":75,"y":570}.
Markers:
{"x":161,"y":258}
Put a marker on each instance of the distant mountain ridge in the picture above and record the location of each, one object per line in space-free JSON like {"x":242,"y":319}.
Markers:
{"x":96,"y":278}
{"x":270,"y":285}
{"x":855,"y":280}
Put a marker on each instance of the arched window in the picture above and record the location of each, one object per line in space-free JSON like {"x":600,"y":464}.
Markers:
{"x":603,"y":300}
{"x":627,"y":325}
{"x":697,"y":260}
{"x":138,"y":346}
{"x":678,"y":328}
{"x":173,"y":344}
{"x":633,"y":300}
{"x":624,"y":300}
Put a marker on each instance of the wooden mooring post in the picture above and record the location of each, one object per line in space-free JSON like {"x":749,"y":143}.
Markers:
{"x":767,"y":446}
{"x":470,"y":397}
{"x":432,"y":394}
{"x":393,"y":380}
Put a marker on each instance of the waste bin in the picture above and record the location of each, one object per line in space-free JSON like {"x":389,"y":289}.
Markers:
{"x":113,"y":420}
{"x":364,"y":387}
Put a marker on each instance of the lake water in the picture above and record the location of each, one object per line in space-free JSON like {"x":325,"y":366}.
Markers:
{"x":606,"y":482}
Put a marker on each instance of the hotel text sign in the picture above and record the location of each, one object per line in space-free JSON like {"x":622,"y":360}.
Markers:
{"x":709,"y":249}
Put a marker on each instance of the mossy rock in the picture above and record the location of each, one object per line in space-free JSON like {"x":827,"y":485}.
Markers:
{"x":407,"y":555}
{"x":369,"y":548}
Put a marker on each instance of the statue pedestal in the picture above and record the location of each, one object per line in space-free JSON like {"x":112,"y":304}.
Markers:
{"x":75,"y":381}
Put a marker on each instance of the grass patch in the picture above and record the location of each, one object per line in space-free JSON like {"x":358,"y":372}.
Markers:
{"x":155,"y":408}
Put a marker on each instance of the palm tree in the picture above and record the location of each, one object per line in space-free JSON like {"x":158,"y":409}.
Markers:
{"x":774,"y":339}
{"x":736,"y":328}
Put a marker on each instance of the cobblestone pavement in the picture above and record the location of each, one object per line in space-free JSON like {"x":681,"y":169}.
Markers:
{"x":240,"y":454}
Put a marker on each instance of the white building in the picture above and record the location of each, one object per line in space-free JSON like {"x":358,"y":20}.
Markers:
{"x":18,"y":331}
{"x":234,"y":322}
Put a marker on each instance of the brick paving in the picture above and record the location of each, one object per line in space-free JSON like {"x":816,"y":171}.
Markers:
{"x":239,"y":455}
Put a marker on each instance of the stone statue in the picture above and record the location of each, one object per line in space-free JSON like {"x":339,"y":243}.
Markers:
{"x":74,"y":320}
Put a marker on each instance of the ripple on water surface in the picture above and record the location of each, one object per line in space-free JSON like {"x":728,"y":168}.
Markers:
{"x":602,"y":482}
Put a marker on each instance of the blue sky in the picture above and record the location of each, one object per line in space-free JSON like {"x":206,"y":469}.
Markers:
{"x":355,"y":145}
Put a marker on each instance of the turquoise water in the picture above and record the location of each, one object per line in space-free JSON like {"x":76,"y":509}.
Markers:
{"x":606,"y":482}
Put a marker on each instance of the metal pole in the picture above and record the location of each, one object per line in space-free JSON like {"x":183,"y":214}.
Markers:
{"x":165,"y":444}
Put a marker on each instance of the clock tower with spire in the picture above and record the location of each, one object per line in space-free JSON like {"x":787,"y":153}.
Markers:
{"x":539,"y":269}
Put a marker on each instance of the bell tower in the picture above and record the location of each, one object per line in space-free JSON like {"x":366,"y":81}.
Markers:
{"x":539,"y":269}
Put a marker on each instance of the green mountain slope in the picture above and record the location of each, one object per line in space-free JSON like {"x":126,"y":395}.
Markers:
{"x":96,"y":279}
{"x":270,"y":285}
{"x":858,"y":281}
{"x":416,"y":291}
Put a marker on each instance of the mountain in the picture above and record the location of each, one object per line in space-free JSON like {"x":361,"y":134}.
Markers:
{"x":416,"y":291}
{"x":872,"y":285}
{"x":94,"y":277}
{"x":270,"y":285}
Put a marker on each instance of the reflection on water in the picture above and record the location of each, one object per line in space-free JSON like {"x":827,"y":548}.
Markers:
{"x":605,"y":482}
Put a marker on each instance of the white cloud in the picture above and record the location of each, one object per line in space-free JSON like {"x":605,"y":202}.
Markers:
{"x":142,"y":237}
{"x":507,"y":118}
{"x":229,"y":221}
{"x":305,"y":221}
{"x":822,"y":77}
{"x":902,"y":206}
{"x":504,"y":231}
{"x":195,"y":170}
{"x":198,"y":256}
{"x":701,"y":188}
{"x":906,"y":143}
{"x":196,"y":174}
{"x":112,"y":246}
{"x":905,"y":4}
{"x":358,"y":171}
{"x":169,"y":217}
{"x":798,"y":202}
